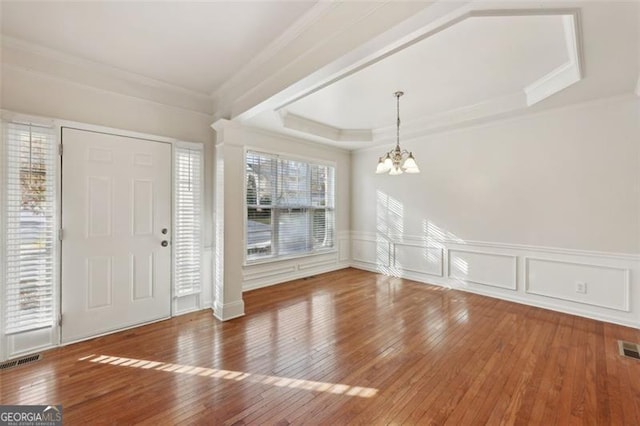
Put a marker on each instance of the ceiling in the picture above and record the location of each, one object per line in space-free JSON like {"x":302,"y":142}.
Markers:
{"x":193,"y":45}
{"x":326,"y":71}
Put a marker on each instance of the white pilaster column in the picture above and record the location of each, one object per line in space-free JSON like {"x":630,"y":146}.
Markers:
{"x":228,"y":252}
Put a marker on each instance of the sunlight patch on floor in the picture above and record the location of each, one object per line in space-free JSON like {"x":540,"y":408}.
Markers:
{"x":335,"y":388}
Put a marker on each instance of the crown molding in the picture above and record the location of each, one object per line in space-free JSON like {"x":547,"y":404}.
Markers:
{"x":550,"y":84}
{"x":482,"y":111}
{"x":508,"y":116}
{"x":93,"y":88}
{"x":305,"y":125}
{"x":566,"y":74}
{"x":313,"y":15}
{"x":27,"y":56}
{"x":224,"y":126}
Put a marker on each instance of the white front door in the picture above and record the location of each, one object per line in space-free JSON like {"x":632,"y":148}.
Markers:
{"x":116,"y":213}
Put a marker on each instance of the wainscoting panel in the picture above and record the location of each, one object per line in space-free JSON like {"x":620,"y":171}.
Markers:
{"x":259,"y":275}
{"x":491,"y":269}
{"x":532,"y":275}
{"x":317,"y":264}
{"x":366,"y":251}
{"x":344,"y":249}
{"x":598,"y":285}
{"x":31,"y":341}
{"x":418,"y":258}
{"x":254,"y":281}
{"x":268,"y":270}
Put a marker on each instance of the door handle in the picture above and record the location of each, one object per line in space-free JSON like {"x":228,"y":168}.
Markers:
{"x":164,"y":243}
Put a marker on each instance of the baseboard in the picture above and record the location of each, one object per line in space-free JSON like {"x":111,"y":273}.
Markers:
{"x":228,"y":311}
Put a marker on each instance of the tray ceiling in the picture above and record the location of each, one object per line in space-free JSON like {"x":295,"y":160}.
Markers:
{"x":478,"y":59}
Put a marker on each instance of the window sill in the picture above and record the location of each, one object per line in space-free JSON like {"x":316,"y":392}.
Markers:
{"x":275,"y":259}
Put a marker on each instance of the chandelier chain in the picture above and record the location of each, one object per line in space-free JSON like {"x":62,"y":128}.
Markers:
{"x":398,"y":94}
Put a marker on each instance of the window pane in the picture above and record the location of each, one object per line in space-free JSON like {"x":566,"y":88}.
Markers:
{"x":259,"y":232}
{"x":261,"y":179}
{"x":294,"y":184}
{"x":319,"y":185}
{"x":293,"y":231}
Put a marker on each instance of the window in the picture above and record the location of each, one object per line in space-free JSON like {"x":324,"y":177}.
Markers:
{"x":30,"y":226}
{"x":188,"y":218}
{"x":290,"y":206}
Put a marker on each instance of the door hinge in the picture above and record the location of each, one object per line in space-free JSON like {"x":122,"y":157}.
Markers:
{"x":60,"y":320}
{"x":60,"y":150}
{"x":60,"y":234}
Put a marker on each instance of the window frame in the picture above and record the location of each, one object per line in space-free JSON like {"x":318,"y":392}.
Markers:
{"x":278,"y":258}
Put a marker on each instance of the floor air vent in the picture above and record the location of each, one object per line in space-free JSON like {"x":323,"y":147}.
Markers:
{"x":630,"y":350}
{"x":19,"y":361}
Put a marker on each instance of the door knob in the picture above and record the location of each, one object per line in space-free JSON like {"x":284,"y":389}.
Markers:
{"x":164,"y":231}
{"x":164,"y":243}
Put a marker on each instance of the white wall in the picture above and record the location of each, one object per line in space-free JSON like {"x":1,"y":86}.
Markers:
{"x":521,"y":209}
{"x":36,"y":94}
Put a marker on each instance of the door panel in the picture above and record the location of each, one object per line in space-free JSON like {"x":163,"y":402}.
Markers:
{"x":116,"y":198}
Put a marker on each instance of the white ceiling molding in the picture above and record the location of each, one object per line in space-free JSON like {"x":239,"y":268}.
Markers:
{"x":223,"y":125}
{"x":26,"y":56}
{"x":568,"y":73}
{"x":317,"y":12}
{"x":302,"y":124}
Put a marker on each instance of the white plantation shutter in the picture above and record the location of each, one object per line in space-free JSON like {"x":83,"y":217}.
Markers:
{"x":187,"y":242}
{"x":30,"y":226}
{"x":290,"y":206}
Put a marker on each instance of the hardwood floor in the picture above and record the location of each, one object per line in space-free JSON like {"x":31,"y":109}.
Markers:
{"x":348,"y":347}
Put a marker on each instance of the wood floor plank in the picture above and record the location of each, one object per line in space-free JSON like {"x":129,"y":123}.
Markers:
{"x":347,"y":347}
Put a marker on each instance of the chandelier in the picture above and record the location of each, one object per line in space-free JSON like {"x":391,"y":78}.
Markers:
{"x":397,"y":161}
